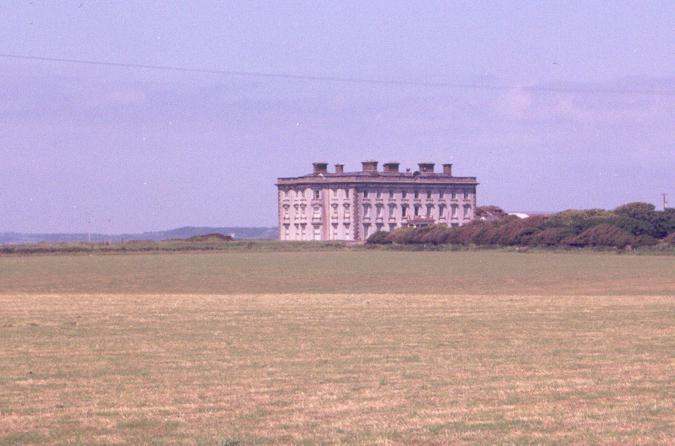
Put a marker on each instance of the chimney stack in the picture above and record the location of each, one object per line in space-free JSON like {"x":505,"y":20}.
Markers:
{"x":447,"y":169}
{"x":391,"y":167}
{"x":426,"y":167}
{"x":339,"y":168}
{"x":320,"y":168}
{"x":369,"y":166}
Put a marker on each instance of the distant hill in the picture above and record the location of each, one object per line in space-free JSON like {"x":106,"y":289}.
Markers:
{"x":250,"y":233}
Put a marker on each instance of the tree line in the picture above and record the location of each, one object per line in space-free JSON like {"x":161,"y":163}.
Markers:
{"x":630,"y":225}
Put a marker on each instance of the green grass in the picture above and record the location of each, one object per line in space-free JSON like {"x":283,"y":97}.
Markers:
{"x":363,"y":271}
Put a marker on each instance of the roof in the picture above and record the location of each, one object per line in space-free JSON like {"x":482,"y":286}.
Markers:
{"x":378,"y":177}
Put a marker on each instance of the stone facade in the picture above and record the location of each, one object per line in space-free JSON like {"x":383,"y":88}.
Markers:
{"x":353,"y":205}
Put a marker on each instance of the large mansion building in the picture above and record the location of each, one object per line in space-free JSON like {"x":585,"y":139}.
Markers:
{"x":343,"y":205}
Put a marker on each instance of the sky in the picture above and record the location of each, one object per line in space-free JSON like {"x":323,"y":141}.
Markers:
{"x":552,"y":105}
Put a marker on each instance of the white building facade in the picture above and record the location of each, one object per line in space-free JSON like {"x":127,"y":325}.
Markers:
{"x":352,"y":206}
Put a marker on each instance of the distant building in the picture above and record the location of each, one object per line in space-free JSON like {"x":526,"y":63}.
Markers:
{"x":353,"y":205}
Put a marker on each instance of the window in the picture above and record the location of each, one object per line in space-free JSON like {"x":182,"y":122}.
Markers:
{"x":317,"y":233}
{"x":366,"y":210}
{"x":391,"y":193}
{"x":317,"y":212}
{"x":392,"y":211}
{"x":417,"y":210}
{"x":467,"y":212}
{"x":417,"y":194}
{"x":440,"y":194}
{"x":454,"y":195}
{"x":429,"y":210}
{"x":346,"y":193}
{"x":379,"y":193}
{"x":404,"y":211}
{"x":441,"y":211}
{"x":429,"y":194}
{"x":454,"y":211}
{"x":347,"y":211}
{"x":365,"y":194}
{"x":317,"y":194}
{"x":466,"y":194}
{"x":404,"y":194}
{"x":379,"y":212}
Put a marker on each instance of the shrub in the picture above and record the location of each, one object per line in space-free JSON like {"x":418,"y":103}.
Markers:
{"x":645,"y":240}
{"x":670,"y":239}
{"x":549,"y":237}
{"x":577,"y":221}
{"x":631,"y":225}
{"x":378,"y":238}
{"x":490,"y":213}
{"x":402,"y":235}
{"x":602,"y":235}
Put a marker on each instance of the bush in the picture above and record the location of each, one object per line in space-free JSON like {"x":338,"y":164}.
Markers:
{"x":549,"y":237}
{"x":670,"y":239}
{"x":379,"y":238}
{"x":602,"y":235}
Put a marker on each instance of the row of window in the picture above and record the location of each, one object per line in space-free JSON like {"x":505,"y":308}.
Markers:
{"x":316,"y":193}
{"x":418,"y":194}
{"x":406,"y":211}
{"x":417,"y":211}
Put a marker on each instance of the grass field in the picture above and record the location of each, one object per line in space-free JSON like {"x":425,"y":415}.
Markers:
{"x":337,"y":347}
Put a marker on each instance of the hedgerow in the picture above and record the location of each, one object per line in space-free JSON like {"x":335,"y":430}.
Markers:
{"x":629,"y":225}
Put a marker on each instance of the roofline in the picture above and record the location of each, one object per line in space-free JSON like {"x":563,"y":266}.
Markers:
{"x":398,"y":180}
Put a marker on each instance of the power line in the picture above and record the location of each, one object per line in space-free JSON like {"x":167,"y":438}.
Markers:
{"x":338,"y":79}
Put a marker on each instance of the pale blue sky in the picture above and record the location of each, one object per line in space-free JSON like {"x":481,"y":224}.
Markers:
{"x":119,"y":149}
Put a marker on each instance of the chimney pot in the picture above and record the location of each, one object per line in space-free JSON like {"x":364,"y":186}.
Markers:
{"x":426,"y":167}
{"x":320,"y":168}
{"x":369,"y":166}
{"x":391,"y":167}
{"x":447,"y":169}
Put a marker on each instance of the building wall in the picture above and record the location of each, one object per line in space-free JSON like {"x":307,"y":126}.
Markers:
{"x":354,"y":212}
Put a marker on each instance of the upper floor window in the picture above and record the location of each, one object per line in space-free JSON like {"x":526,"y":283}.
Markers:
{"x":365,"y":194}
{"x":346,"y":193}
{"x":404,"y":194}
{"x":454,"y":195}
{"x":466,"y":194}
{"x":417,"y":210}
{"x":379,"y":194}
{"x":417,"y":194}
{"x":391,"y":193}
{"x":440,"y":194}
{"x":317,"y":194}
{"x":429,"y":194}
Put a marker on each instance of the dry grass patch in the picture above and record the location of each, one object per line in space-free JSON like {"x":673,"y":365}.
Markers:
{"x":361,"y":368}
